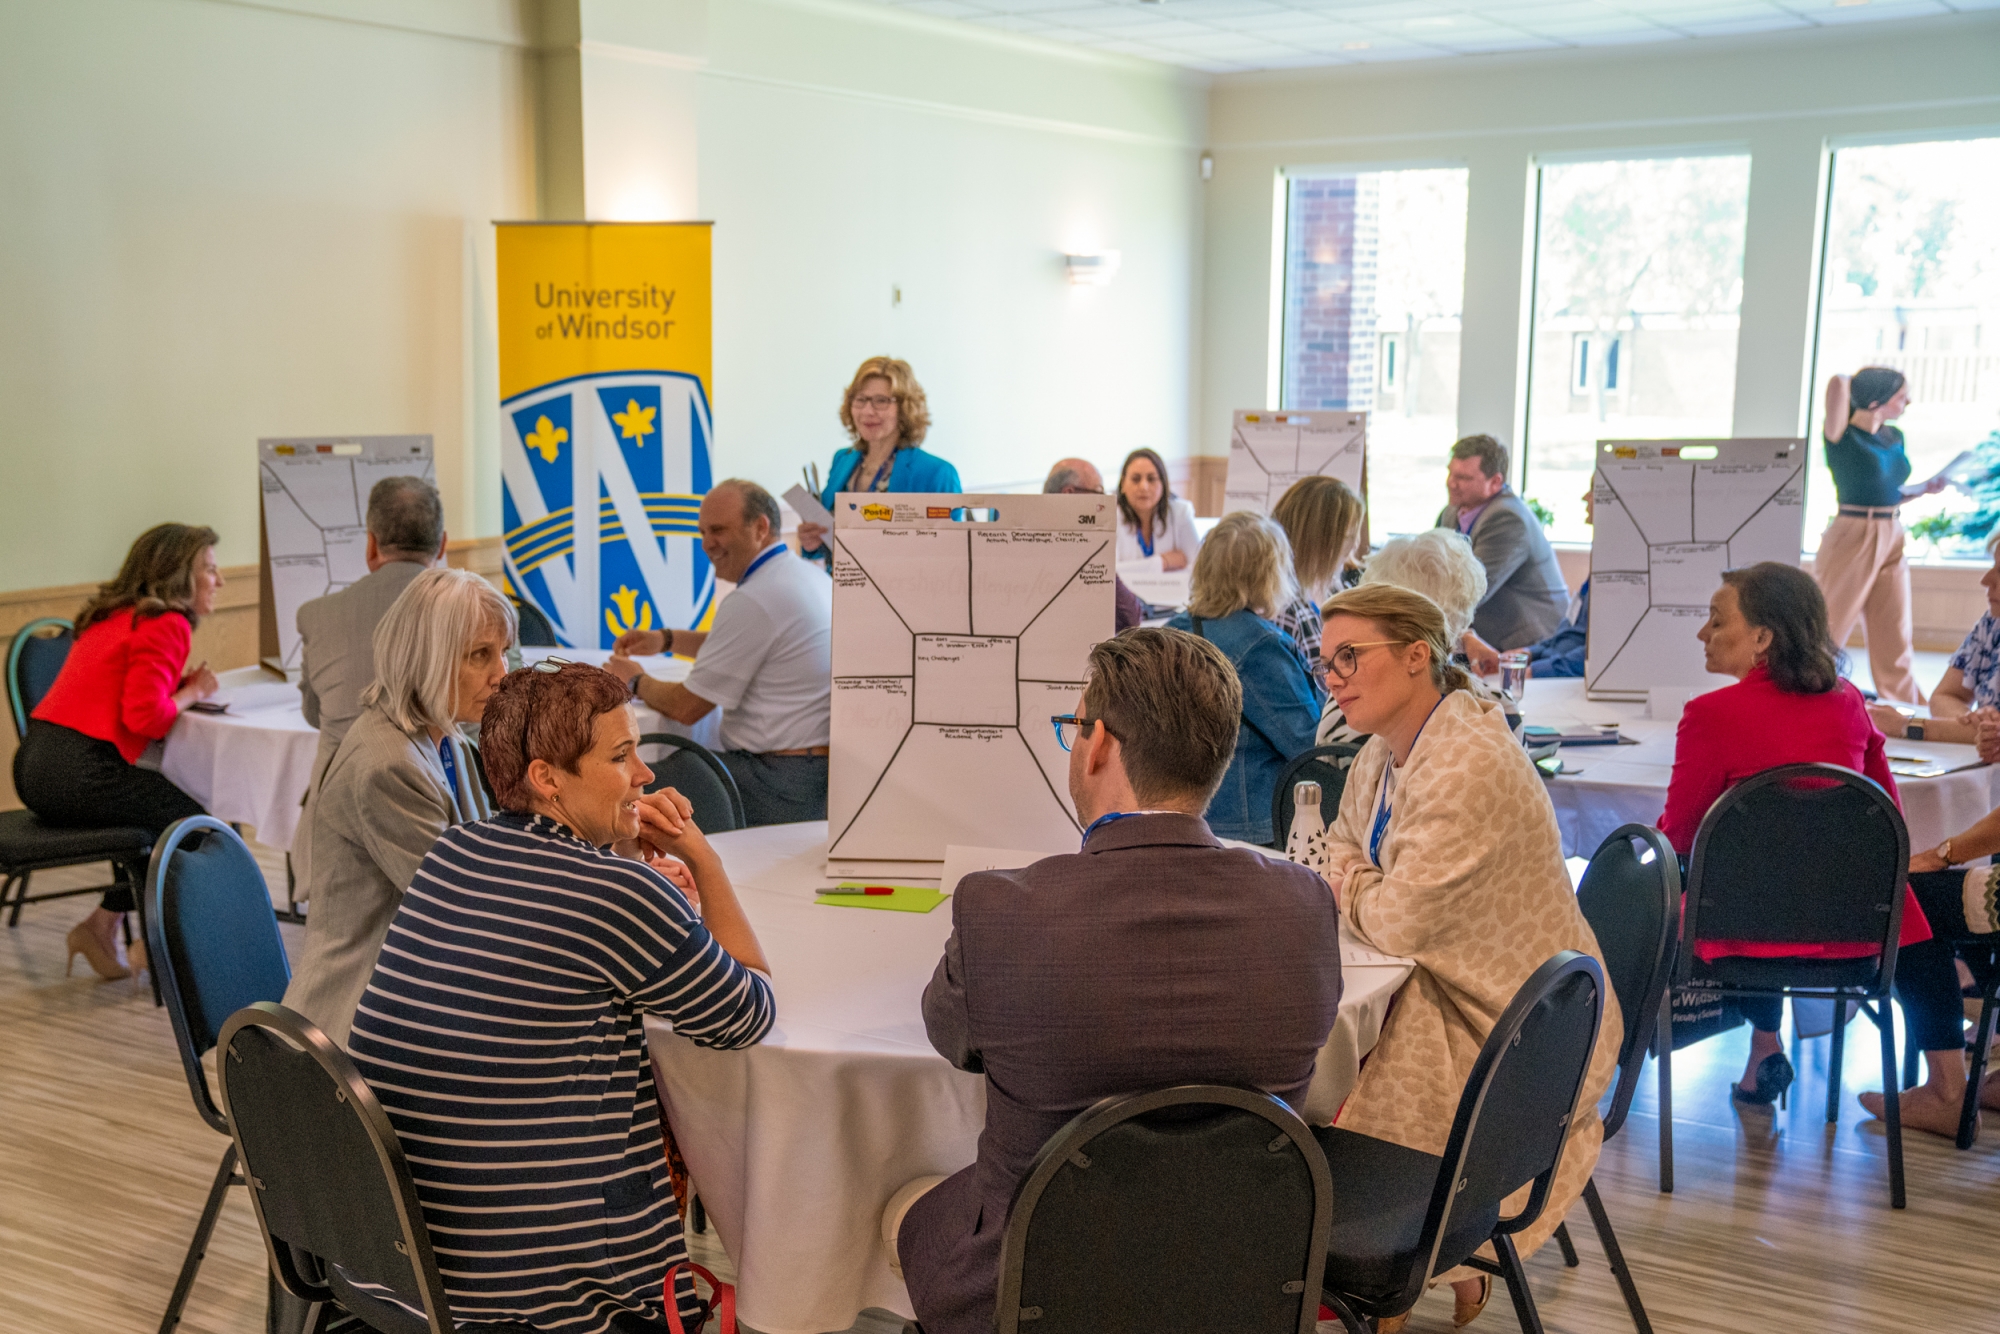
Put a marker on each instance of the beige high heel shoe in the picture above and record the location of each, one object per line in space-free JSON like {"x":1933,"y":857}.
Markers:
{"x":1464,"y":1312}
{"x":135,"y":954}
{"x":82,"y":940}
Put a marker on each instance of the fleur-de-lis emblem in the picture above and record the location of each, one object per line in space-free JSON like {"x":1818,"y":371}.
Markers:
{"x":632,"y":614}
{"x":635,"y":423}
{"x":548,"y":438}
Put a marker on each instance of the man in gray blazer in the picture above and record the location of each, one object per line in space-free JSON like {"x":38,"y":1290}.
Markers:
{"x":1155,"y":956}
{"x":337,"y":632}
{"x":1526,"y":597}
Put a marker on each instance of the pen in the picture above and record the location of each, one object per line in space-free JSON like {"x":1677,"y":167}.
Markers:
{"x":860,"y":889}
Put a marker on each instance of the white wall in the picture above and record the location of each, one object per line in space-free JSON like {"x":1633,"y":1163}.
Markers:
{"x":1782,"y":97}
{"x":848,"y":151}
{"x":222,"y":219}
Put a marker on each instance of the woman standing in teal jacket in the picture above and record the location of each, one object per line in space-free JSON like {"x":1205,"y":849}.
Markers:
{"x":887,"y":418}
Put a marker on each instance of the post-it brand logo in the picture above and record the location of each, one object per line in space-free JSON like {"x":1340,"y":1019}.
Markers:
{"x":881,"y":513}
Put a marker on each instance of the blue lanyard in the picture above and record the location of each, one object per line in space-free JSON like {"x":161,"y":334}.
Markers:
{"x":450,"y":762}
{"x":759,"y":563}
{"x":1146,"y":537}
{"x":1109,"y":816}
{"x":1381,"y":825}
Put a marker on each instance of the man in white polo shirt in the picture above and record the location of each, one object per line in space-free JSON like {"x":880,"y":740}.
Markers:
{"x":767,"y":660}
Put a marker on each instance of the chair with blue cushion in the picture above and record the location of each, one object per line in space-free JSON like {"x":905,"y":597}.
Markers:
{"x":27,"y":845}
{"x":215,"y":948}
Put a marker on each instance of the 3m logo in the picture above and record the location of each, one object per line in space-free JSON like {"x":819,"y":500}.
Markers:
{"x":882,"y":513}
{"x":1086,"y":518}
{"x":936,"y":512}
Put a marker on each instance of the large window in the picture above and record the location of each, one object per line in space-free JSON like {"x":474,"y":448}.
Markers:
{"x":1911,"y":279}
{"x":1374,"y":289}
{"x":1638,"y":288}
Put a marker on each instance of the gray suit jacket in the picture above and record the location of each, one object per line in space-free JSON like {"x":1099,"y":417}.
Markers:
{"x":338,"y":654}
{"x":381,"y":805}
{"x":1526,"y":598}
{"x":1155,"y":956}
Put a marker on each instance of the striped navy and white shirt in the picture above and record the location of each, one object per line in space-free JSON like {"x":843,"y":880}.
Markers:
{"x":502,"y":1031}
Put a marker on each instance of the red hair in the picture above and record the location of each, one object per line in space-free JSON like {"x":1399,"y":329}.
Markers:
{"x":543,"y":715}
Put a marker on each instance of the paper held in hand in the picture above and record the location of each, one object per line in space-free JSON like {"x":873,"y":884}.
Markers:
{"x":1155,"y":585}
{"x":806,"y":505}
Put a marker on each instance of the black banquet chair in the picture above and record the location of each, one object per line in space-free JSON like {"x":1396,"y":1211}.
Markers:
{"x":1325,"y":765}
{"x":34,"y":656}
{"x":215,"y":948}
{"x":693,"y":770}
{"x":334,"y":1197}
{"x":535,"y":630}
{"x":1200,"y":1207}
{"x":1631,"y":896}
{"x":1808,"y":854}
{"x":1401,"y":1215}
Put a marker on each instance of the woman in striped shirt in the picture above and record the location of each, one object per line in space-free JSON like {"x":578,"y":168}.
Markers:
{"x":502,"y":1028}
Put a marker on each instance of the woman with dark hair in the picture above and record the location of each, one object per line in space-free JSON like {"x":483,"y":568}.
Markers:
{"x":1152,"y":520}
{"x":1860,"y":566}
{"x":503,"y":1029}
{"x":1767,"y":628}
{"x":121,"y":688}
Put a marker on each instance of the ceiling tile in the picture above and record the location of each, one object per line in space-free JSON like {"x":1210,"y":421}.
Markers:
{"x":1273,"y":34}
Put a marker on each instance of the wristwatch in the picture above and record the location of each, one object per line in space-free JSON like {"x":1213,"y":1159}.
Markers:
{"x":1913,"y":730}
{"x":1944,"y":851}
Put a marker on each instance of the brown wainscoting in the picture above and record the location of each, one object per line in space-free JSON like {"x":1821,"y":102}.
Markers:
{"x":1199,"y":477}
{"x":225,"y":640}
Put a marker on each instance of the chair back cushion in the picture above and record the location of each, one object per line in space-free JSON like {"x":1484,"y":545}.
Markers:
{"x":1515,"y":1112}
{"x":216,"y":921}
{"x":34,"y":659}
{"x":327,"y":1174}
{"x":693,"y":771}
{"x":1326,"y":765}
{"x":1630,"y":895}
{"x":1806,"y":853}
{"x":535,"y":630}
{"x":1192,"y":1215}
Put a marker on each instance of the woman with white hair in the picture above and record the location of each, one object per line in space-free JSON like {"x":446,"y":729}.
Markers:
{"x":1437,"y":563}
{"x":1242,"y":580}
{"x":403,"y":774}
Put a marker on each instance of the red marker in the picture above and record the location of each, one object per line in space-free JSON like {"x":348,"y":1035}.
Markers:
{"x":861,"y":889}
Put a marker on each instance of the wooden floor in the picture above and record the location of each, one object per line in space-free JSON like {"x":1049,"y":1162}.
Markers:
{"x":1779,"y":1223}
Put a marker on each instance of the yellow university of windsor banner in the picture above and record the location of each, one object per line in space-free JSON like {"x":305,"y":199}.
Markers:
{"x":605,"y":435}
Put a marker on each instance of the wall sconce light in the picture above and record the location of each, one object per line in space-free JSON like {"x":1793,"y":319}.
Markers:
{"x":1093,"y":270}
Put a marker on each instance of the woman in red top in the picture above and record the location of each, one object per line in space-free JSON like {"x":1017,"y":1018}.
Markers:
{"x":122,"y":686}
{"x":1767,"y":628}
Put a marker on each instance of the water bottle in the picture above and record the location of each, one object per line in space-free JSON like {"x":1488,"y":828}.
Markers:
{"x":1306,"y":820}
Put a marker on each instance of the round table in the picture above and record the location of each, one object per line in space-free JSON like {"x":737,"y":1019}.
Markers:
{"x":1604,"y":787}
{"x":797,"y":1143}
{"x":252,"y":764}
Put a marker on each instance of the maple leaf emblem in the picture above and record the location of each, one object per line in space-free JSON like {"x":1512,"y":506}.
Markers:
{"x":635,"y":423}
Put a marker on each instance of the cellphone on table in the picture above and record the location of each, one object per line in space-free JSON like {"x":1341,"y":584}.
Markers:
{"x":208,"y":706}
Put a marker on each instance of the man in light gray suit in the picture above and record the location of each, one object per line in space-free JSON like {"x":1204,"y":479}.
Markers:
{"x":405,"y":537}
{"x":1526,"y":597}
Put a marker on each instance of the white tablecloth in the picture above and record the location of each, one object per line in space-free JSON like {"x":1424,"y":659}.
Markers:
{"x":252,"y":764}
{"x":796,"y":1144}
{"x":1618,"y":785}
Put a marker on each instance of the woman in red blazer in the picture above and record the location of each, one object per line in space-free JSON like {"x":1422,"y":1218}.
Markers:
{"x":1767,"y":627}
{"x":122,"y":686}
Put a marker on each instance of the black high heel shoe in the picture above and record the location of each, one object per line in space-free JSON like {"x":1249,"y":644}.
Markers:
{"x":1774,"y":1076}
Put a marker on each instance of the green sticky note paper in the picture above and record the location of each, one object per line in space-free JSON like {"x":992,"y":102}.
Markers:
{"x":906,"y":898}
